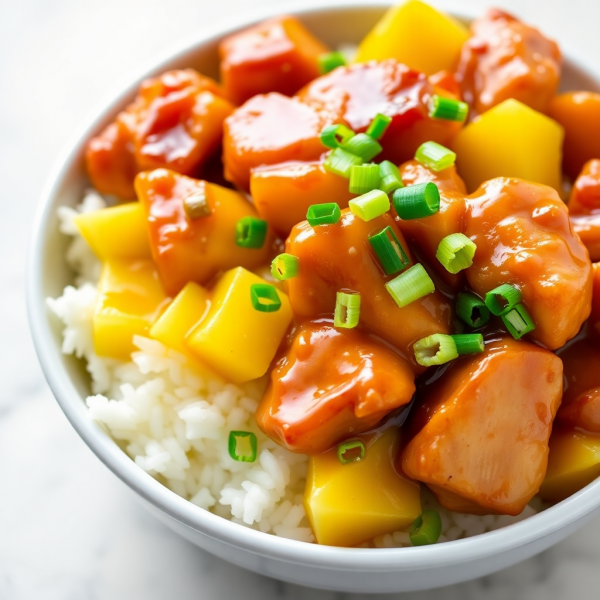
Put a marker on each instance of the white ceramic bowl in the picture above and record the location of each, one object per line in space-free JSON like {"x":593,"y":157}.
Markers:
{"x":341,"y":569}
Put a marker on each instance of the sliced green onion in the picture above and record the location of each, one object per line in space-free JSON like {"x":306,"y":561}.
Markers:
{"x":455,"y":252}
{"x":323,"y":214}
{"x":250,"y":232}
{"x":468,"y":343}
{"x":364,"y":178}
{"x":378,"y":126}
{"x":347,"y":310}
{"x":264,"y":297}
{"x":340,"y":161}
{"x":389,"y":251}
{"x":417,"y":201}
{"x":502,"y":299}
{"x":196,"y":206}
{"x":370,"y":205}
{"x":435,"y":156}
{"x":390,"y":177}
{"x":447,"y":109}
{"x":242,"y":446}
{"x":330,"y":61}
{"x":364,"y":146}
{"x":426,"y":529}
{"x":436,"y":349}
{"x":285,"y":266}
{"x":352,"y":451}
{"x":333,"y":136}
{"x":410,"y":285}
{"x":472,"y":310}
{"x":518,"y":322}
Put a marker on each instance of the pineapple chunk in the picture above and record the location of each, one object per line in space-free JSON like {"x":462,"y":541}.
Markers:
{"x":510,"y":140}
{"x":234,"y":338}
{"x":131,"y":297}
{"x":117,"y":232}
{"x":417,"y":35}
{"x":348,"y":504}
{"x":574,"y":461}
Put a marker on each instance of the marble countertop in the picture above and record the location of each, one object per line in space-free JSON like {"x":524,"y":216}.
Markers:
{"x":69,"y":530}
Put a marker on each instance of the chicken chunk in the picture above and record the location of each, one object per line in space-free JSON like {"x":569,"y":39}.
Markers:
{"x":271,"y":129}
{"x":331,"y":384}
{"x":278,"y":55}
{"x":427,"y":233}
{"x":483,"y":428}
{"x":360,"y":91}
{"x":187,"y":249}
{"x":283,"y":193}
{"x":175,"y":122}
{"x":338,"y":257}
{"x":506,"y":58}
{"x":524,"y":238}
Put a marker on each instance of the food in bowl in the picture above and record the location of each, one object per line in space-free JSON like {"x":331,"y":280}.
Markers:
{"x":353,"y":329}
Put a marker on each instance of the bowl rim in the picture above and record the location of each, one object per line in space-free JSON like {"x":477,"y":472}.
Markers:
{"x":456,"y":552}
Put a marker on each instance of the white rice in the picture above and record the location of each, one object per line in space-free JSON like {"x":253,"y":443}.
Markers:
{"x":174,"y":423}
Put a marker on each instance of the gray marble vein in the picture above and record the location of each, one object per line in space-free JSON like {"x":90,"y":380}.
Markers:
{"x":69,"y":530}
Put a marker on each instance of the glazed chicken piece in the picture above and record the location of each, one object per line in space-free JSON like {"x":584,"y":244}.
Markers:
{"x":176,"y":122}
{"x":338,"y":257}
{"x":506,"y":58}
{"x":524,"y":238}
{"x":482,"y":429}
{"x":332,"y":384}
{"x":584,"y":207}
{"x":271,"y":129}
{"x":578,"y":113}
{"x":194,"y":249}
{"x":284,"y":192}
{"x":278,"y":55}
{"x":427,"y":233}
{"x":360,"y":91}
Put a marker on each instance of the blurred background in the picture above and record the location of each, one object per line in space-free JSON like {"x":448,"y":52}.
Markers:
{"x":69,"y":530}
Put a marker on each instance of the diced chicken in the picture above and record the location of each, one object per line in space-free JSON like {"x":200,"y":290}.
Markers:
{"x":483,"y":428}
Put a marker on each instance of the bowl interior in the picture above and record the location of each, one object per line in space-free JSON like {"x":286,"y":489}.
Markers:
{"x":48,"y":274}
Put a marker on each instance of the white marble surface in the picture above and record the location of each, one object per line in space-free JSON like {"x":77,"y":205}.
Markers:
{"x":68,"y":529}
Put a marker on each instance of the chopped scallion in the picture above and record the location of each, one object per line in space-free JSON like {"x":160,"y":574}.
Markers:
{"x":410,"y":285}
{"x":250,"y":232}
{"x":323,"y":214}
{"x":340,"y":161}
{"x":363,"y":146}
{"x":364,"y":178}
{"x":417,"y":201}
{"x":390,"y":177}
{"x":284,"y":266}
{"x":330,"y":61}
{"x":196,"y":206}
{"x":389,"y":251}
{"x":502,"y":299}
{"x":264,"y":297}
{"x":435,"y":156}
{"x":455,"y":252}
{"x":448,"y":109}
{"x":426,"y":529}
{"x":370,"y":205}
{"x":436,"y":349}
{"x":242,"y":446}
{"x":333,"y":136}
{"x":378,"y":126}
{"x":472,"y":310}
{"x":468,"y":343}
{"x":518,"y":322}
{"x":351,"y":451}
{"x":347,"y":310}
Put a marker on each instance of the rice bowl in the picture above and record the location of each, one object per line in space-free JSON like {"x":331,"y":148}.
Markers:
{"x":164,"y":391}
